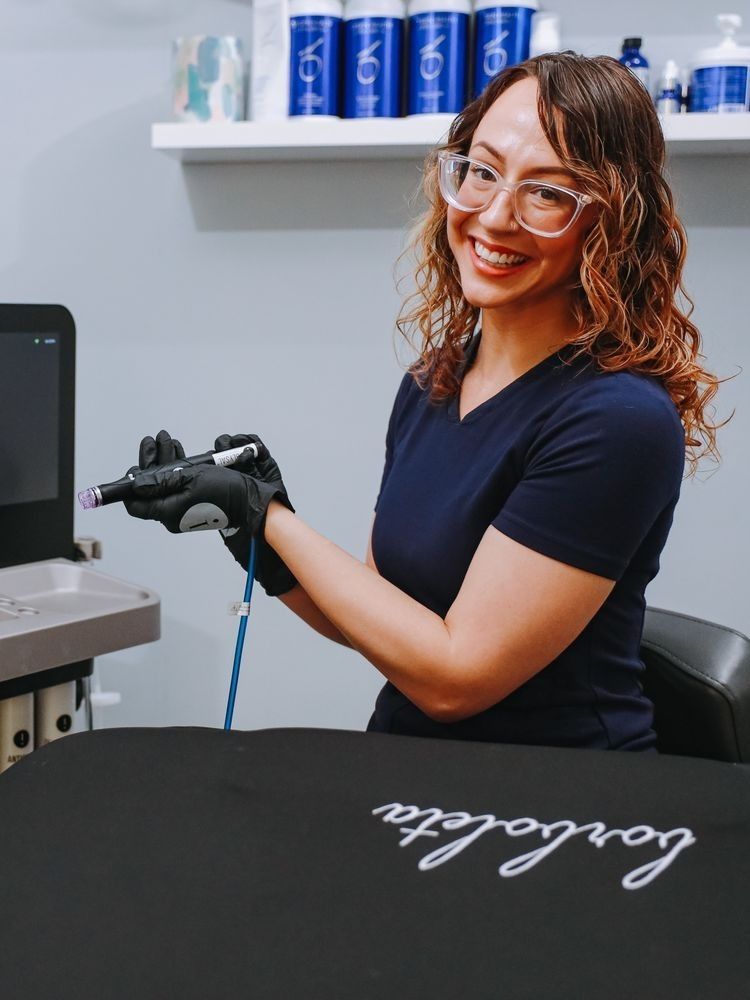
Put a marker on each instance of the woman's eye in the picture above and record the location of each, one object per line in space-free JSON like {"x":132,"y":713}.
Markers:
{"x":546,"y":194}
{"x":481,"y":173}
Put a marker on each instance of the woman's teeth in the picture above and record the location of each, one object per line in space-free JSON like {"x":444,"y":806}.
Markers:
{"x":498,"y":259}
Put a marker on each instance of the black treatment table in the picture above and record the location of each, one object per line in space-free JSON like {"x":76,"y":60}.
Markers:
{"x":150,"y":864}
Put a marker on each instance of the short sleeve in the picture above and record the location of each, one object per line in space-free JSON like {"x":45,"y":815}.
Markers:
{"x":602,"y":469}
{"x":390,"y":437}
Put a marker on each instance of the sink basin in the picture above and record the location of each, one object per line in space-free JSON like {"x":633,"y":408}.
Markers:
{"x":57,"y":612}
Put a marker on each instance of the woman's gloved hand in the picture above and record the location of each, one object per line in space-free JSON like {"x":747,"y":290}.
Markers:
{"x":195,"y":498}
{"x":160,"y":450}
{"x":271,"y":571}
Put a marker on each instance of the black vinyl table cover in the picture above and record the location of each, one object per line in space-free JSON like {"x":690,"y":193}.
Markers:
{"x":291,"y":863}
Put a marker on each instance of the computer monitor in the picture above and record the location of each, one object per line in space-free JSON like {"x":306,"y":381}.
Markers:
{"x":37,"y":420}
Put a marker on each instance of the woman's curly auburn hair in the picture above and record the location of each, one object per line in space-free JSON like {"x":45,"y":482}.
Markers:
{"x":601,"y":122}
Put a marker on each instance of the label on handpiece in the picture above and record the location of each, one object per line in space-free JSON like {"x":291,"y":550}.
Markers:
{"x":437,"y":62}
{"x":230,"y":456}
{"x":314,"y":65}
{"x":372,"y":67}
{"x":502,"y":37}
{"x":720,"y":88}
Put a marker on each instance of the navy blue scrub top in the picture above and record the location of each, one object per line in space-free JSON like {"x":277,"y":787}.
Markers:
{"x":581,"y":465}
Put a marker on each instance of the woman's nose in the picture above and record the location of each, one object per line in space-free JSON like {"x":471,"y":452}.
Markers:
{"x":499,"y":213}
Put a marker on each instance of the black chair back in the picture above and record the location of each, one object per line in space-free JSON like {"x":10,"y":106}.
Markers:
{"x":698,"y":677}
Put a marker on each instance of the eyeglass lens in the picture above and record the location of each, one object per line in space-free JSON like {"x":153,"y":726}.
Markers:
{"x":472,"y":186}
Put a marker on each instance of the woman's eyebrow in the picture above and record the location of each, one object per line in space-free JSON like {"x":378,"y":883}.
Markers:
{"x":549,"y":168}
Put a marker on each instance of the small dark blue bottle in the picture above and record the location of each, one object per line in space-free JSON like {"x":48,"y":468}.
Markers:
{"x":633,"y":58}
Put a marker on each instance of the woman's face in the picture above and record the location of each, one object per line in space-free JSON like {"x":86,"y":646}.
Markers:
{"x":510,"y":138}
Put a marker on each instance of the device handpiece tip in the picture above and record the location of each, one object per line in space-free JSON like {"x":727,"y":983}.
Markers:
{"x":88,"y":499}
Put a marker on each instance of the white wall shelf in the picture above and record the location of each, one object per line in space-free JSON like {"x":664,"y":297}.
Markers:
{"x":395,"y":138}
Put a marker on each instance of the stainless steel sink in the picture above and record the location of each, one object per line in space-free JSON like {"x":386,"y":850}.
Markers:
{"x":57,"y":612}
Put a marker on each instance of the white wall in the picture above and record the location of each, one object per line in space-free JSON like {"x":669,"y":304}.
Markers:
{"x":261,"y":298}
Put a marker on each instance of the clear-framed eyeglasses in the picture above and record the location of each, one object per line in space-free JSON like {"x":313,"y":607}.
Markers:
{"x":544,"y":209}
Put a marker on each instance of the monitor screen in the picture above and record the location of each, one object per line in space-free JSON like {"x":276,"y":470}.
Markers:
{"x":30,"y":408}
{"x":37,"y":416}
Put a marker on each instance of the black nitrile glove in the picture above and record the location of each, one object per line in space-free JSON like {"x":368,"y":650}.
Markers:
{"x":271,"y":571}
{"x":196,"y":498}
{"x":201,"y":498}
{"x":159,"y":451}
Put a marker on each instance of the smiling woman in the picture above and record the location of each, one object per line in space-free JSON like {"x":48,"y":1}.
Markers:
{"x":536,"y":448}
{"x":587,"y":124}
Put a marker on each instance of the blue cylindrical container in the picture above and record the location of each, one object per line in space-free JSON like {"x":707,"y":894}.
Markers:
{"x":438,"y":41}
{"x":720,"y":80}
{"x":501,"y":38}
{"x":720,"y":88}
{"x":373,"y":46}
{"x":315,"y":45}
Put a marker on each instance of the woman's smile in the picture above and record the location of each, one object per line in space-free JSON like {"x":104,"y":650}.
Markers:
{"x":498,"y":261}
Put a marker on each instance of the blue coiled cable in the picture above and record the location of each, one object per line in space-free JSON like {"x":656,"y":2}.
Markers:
{"x":240,"y":637}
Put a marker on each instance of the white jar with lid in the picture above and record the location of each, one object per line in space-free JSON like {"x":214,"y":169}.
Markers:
{"x":720,"y":78}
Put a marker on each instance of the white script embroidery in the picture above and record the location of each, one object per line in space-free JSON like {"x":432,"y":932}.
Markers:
{"x":415,"y":822}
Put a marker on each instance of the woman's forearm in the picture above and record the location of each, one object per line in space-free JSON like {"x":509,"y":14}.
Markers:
{"x":300,"y":602}
{"x":407,"y":642}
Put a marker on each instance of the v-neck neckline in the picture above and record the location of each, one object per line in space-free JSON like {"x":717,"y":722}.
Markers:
{"x":477,"y":411}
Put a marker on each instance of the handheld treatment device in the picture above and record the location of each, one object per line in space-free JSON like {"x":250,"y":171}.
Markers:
{"x":121,"y":489}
